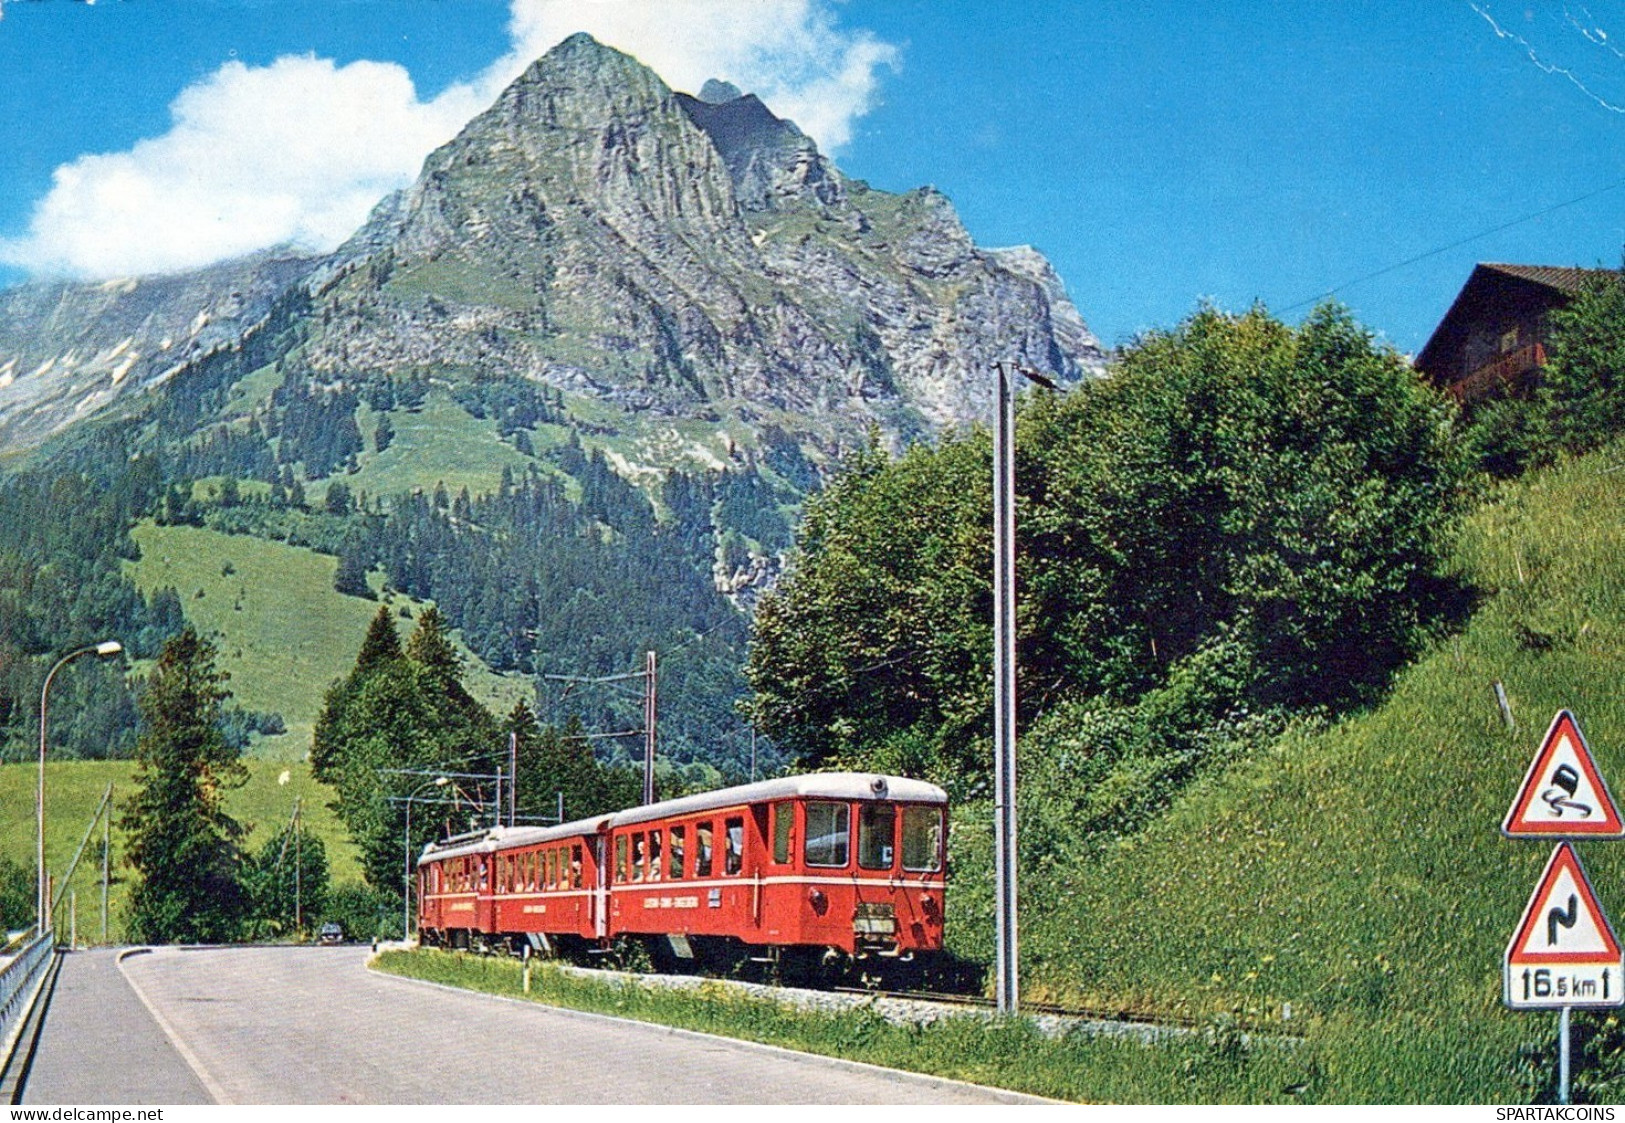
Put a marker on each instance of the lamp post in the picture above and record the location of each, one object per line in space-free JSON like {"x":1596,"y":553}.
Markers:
{"x":406,"y":874}
{"x":1006,"y":988}
{"x":105,"y":648}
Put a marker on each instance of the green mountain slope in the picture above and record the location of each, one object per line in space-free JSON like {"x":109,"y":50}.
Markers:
{"x":284,"y":634}
{"x":1351,"y":883}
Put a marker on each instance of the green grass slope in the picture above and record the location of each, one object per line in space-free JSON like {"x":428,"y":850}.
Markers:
{"x":1356,"y":875}
{"x":284,"y":633}
{"x":73,"y":789}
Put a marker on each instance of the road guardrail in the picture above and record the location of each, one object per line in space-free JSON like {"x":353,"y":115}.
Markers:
{"x":17,"y":988}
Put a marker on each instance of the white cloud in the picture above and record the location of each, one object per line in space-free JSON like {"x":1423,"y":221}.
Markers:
{"x":299,"y":151}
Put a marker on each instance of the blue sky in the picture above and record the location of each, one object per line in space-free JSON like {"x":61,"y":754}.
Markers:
{"x":1160,"y":153}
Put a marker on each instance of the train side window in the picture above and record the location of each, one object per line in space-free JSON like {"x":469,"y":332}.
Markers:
{"x":784,"y":817}
{"x":674,"y":854}
{"x":828,"y":831}
{"x":702,"y":850}
{"x":622,"y":870}
{"x":575,"y":866}
{"x":638,"y":853}
{"x":734,"y":855}
{"x":922,"y":838}
{"x":485,"y":873}
{"x":877,"y":835}
{"x":654,"y":855}
{"x":550,"y":879}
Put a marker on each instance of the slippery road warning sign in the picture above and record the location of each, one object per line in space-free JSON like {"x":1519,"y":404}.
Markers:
{"x":1563,"y":794}
{"x":1563,"y":952}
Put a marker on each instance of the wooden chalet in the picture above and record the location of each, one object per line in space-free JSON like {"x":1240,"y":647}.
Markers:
{"x":1495,"y":333}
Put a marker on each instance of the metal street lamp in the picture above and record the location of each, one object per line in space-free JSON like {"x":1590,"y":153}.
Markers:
{"x":406,"y":874}
{"x":105,"y":648}
{"x":1006,"y":989}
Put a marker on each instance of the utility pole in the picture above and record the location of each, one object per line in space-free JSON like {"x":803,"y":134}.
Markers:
{"x":649,"y":731}
{"x":1007,"y":990}
{"x":513,"y":777}
{"x":1006,"y":960}
{"x":107,"y":853}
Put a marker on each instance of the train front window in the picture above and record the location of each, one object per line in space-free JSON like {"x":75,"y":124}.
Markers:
{"x":877,"y":835}
{"x":922,"y":838}
{"x":735,"y":838}
{"x":828,"y":827}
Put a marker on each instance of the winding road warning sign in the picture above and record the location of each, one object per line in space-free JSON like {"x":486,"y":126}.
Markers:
{"x":1563,"y":952}
{"x":1563,"y":794}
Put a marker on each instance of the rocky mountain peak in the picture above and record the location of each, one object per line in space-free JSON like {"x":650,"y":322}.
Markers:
{"x":769,"y":160}
{"x":717,"y":91}
{"x":679,"y":259}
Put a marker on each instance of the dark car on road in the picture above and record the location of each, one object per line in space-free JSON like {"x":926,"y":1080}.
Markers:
{"x":330,"y":934}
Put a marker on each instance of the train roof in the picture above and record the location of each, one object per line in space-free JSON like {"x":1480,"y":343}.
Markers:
{"x":828,"y":785}
{"x":825,"y":785}
{"x":505,"y":838}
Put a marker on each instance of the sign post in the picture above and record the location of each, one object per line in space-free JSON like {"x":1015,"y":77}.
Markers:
{"x":1563,"y":952}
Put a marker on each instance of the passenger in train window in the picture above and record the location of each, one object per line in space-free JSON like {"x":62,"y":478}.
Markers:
{"x":575,"y":867}
{"x":623,"y":872}
{"x":551,"y":880}
{"x":654,"y":855}
{"x":674,"y":855}
{"x":702,"y":850}
{"x":637,"y":856}
{"x":734,"y":859}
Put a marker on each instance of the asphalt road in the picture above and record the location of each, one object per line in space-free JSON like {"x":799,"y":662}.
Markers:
{"x":313,"y":1025}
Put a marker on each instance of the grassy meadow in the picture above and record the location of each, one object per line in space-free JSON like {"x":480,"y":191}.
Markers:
{"x":73,"y":789}
{"x":1354,"y":877}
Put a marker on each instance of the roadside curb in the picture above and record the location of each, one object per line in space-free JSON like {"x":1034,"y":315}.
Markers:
{"x":1003,"y":1095}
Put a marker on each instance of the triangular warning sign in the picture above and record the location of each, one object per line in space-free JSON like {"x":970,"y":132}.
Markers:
{"x":1563,"y":793}
{"x":1563,"y":923}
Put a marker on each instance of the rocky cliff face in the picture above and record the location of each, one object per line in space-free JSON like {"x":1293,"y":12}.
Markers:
{"x":68,"y":351}
{"x":598,"y":232}
{"x":681,"y":257}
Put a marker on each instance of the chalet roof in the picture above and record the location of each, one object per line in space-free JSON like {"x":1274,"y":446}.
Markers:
{"x":1485,"y":281}
{"x":1569,"y":280}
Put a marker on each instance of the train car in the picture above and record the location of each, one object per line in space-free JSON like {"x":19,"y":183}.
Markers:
{"x":829,"y":865}
{"x":510,"y":885}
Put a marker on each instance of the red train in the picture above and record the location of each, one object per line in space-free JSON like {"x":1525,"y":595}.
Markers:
{"x":810,"y":868}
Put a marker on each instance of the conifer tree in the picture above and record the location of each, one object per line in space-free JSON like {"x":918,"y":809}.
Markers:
{"x":182,"y":842}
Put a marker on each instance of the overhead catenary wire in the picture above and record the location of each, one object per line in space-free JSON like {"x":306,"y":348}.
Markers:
{"x":1457,"y":244}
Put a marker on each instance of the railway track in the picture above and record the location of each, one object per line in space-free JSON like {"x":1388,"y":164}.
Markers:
{"x":1083,"y":1013}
